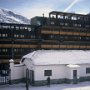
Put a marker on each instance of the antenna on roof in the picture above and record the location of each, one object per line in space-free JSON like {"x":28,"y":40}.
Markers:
{"x":43,"y":14}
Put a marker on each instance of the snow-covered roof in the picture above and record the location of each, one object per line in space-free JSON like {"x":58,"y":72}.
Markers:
{"x":46,"y":57}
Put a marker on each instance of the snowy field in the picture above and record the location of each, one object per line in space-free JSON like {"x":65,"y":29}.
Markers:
{"x":80,"y":86}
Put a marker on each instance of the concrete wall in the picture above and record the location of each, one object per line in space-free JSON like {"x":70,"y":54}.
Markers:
{"x":82,"y":70}
{"x":17,"y":71}
{"x":58,"y":72}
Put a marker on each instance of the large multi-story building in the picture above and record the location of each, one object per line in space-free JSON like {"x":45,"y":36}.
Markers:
{"x":65,"y":31}
{"x":16,"y":40}
{"x":59,"y":31}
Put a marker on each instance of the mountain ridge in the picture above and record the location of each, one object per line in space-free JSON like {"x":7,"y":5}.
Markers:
{"x":7,"y":16}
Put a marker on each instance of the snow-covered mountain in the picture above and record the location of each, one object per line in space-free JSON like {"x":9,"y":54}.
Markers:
{"x":10,"y":17}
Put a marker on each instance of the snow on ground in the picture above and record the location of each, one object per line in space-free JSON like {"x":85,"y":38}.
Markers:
{"x":80,"y":86}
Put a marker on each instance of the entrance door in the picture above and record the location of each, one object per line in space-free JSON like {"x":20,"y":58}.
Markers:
{"x":30,"y":77}
{"x":74,"y":76}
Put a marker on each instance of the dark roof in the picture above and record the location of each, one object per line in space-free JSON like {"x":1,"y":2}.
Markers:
{"x":66,"y":13}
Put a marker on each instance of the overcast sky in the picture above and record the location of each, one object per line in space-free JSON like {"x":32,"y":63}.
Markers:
{"x":31,"y":8}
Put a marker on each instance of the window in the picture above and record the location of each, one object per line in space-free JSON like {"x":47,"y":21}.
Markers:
{"x":15,"y":50}
{"x":12,"y":27}
{"x":15,"y":35}
{"x":38,"y":23}
{"x":29,"y":29}
{"x":66,"y":17}
{"x":61,"y":17}
{"x":80,"y":38}
{"x":52,"y":23}
{"x":0,"y":35}
{"x":51,"y":36}
{"x":66,"y":24}
{"x":0,"y":26}
{"x":58,"y":16}
{"x":22,"y":36}
{"x":79,"y":25}
{"x":5,"y":27}
{"x":17,"y":28}
{"x":32,"y":36}
{"x":74,"y":18}
{"x":47,"y":72}
{"x":6,"y":35}
{"x":87,"y":26}
{"x":75,"y":25}
{"x":21,"y":28}
{"x":0,"y":49}
{"x":88,"y":70}
{"x":53,"y":16}
{"x":61,"y":23}
{"x":3,"y":35}
{"x":87,"y":38}
{"x":4,"y":50}
{"x":86,"y":18}
{"x":25,"y":28}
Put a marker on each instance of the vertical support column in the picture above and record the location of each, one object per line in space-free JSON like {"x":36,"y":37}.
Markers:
{"x":49,"y":19}
{"x":57,"y":19}
{"x":27,"y":79}
{"x":11,"y":69}
{"x":12,"y":49}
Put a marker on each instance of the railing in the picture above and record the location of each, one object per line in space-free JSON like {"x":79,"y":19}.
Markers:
{"x":17,"y":46}
{"x":45,"y":46}
{"x":65,"y":32}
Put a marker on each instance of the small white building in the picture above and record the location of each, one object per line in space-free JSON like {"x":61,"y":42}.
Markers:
{"x":62,"y":66}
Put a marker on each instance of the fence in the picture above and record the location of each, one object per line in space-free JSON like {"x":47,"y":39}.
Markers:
{"x":5,"y":77}
{"x":15,"y":74}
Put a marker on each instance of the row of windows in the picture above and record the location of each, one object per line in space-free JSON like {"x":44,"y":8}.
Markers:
{"x":65,"y":37}
{"x":19,"y":50}
{"x":67,"y":29}
{"x":70,"y":17}
{"x":17,"y":36}
{"x":15,"y":27}
{"x":23,"y":36}
{"x":67,"y":24}
{"x":3,"y":50}
{"x":3,"y":35}
{"x":16,"y":50}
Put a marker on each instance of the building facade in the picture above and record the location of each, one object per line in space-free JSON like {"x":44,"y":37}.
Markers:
{"x":65,"y":31}
{"x":59,"y":31}
{"x":15,"y":41}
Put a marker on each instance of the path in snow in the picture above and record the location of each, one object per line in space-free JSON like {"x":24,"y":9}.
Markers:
{"x":80,"y":86}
